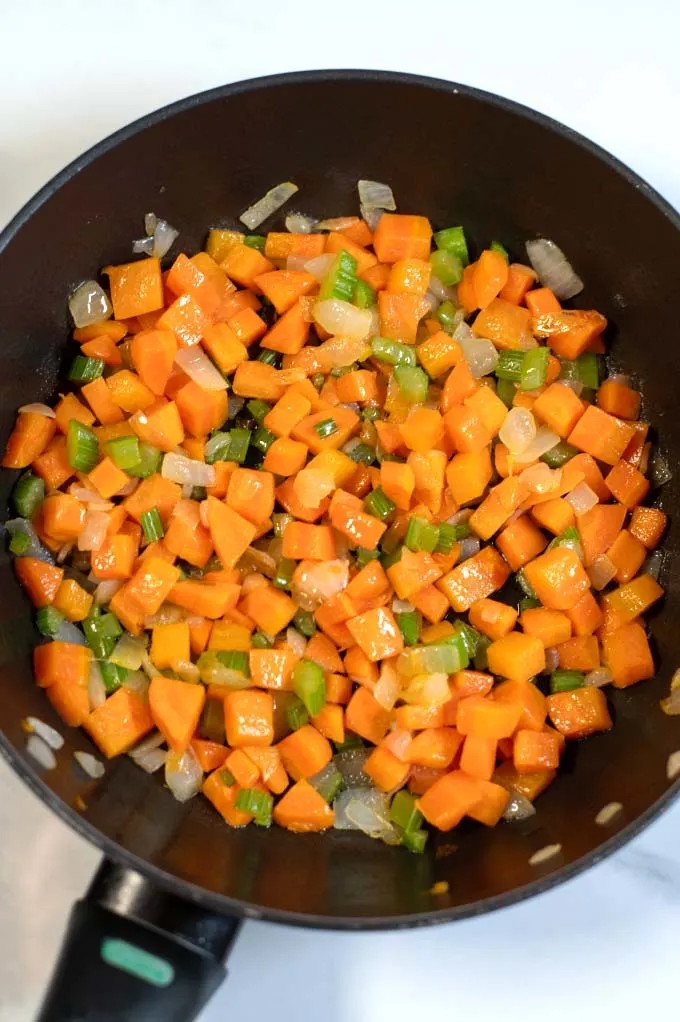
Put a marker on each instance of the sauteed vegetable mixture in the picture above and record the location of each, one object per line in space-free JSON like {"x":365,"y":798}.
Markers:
{"x":337,"y":526}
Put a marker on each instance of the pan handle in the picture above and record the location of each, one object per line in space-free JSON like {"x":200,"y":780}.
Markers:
{"x":132,"y":951}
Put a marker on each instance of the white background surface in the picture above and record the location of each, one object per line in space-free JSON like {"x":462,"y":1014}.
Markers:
{"x":71,"y":72}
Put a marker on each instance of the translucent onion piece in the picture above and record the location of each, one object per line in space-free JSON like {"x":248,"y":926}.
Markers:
{"x":236,"y":403}
{"x":40,"y":751}
{"x":297,"y":642}
{"x":68,"y":632}
{"x":45,"y":731}
{"x":152,"y":741}
{"x":89,"y":764}
{"x":319,"y":265}
{"x":180,"y":469}
{"x":387,"y":687}
{"x":598,"y":678}
{"x":106,"y":590}
{"x":575,"y":385}
{"x":268,"y":205}
{"x":671,"y":705}
{"x":138,"y":682}
{"x":336,"y":223}
{"x":198,"y":367}
{"x":401,"y":606}
{"x":38,"y":409}
{"x":168,"y":614}
{"x":363,"y":809}
{"x":440,"y":290}
{"x":432,"y":303}
{"x":468,"y":548}
{"x":518,"y":808}
{"x":553,"y":268}
{"x":673,"y":765}
{"x":298,"y":223}
{"x":371,"y":215}
{"x":253,"y":580}
{"x":675,"y":681}
{"x":187,"y":490}
{"x":148,"y":666}
{"x":460,"y":516}
{"x":164,"y":238}
{"x":481,"y":356}
{"x":607,"y":813}
{"x":645,"y":455}
{"x":317,"y":582}
{"x":89,"y":304}
{"x":659,"y":472}
{"x":187,"y":671}
{"x":260,"y":560}
{"x":63,"y":552}
{"x":311,"y":485}
{"x":183,"y":774}
{"x":152,"y":761}
{"x":518,"y":430}
{"x":351,"y":766}
{"x":544,"y":441}
{"x":540,"y":478}
{"x":96,"y":690}
{"x":90,"y":497}
{"x":94,"y":531}
{"x":552,"y":659}
{"x":427,"y":689}
{"x":582,"y":499}
{"x":543,"y":854}
{"x":619,"y":378}
{"x":338,"y":352}
{"x":128,"y":652}
{"x":376,"y":195}
{"x":601,"y":572}
{"x":143,"y":246}
{"x":150,"y":221}
{"x":35,"y":549}
{"x":343,"y":318}
{"x":296,"y":262}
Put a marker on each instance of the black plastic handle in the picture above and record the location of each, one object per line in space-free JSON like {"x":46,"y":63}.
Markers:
{"x":132,"y":952}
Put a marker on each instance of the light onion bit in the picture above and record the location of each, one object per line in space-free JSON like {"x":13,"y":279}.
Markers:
{"x":39,"y":750}
{"x":673,"y":765}
{"x":607,"y":813}
{"x":553,"y":268}
{"x":89,"y":303}
{"x":543,"y":854}
{"x":45,"y":731}
{"x":89,"y":764}
{"x":268,"y":204}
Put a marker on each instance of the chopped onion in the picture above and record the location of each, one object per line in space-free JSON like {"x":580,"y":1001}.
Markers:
{"x":440,"y":290}
{"x":582,"y":498}
{"x":128,"y":652}
{"x":543,"y":854}
{"x":143,"y":246}
{"x":316,"y":582}
{"x":371,"y":215}
{"x":312,"y":485}
{"x":343,"y":318}
{"x":183,"y":774}
{"x":364,"y":809}
{"x":387,"y":688}
{"x":260,"y":560}
{"x":671,"y":705}
{"x":552,"y":659}
{"x":427,"y":689}
{"x":518,"y":808}
{"x":268,"y":205}
{"x":480,"y":354}
{"x":198,"y":367}
{"x":297,"y":223}
{"x":90,"y":497}
{"x":675,"y":680}
{"x":138,"y":682}
{"x":167,"y":614}
{"x":518,"y":430}
{"x":253,"y":580}
{"x":598,"y":678}
{"x":45,"y":731}
{"x":673,"y":765}
{"x":468,"y":548}
{"x":236,"y":403}
{"x":659,"y":472}
{"x":89,"y":304}
{"x":187,"y":671}
{"x":148,"y":744}
{"x":376,"y":195}
{"x":164,"y":237}
{"x":336,"y":223}
{"x":40,"y":751}
{"x":351,"y":766}
{"x":94,"y":531}
{"x":337,"y":352}
{"x":540,"y":478}
{"x":544,"y":441}
{"x":180,"y":469}
{"x":460,"y":516}
{"x":645,"y":455}
{"x":151,"y":761}
{"x":620,"y":378}
{"x":607,"y":813}
{"x":96,"y":690}
{"x":148,"y":666}
{"x":319,"y":266}
{"x":432,"y":303}
{"x":35,"y":549}
{"x":106,"y":590}
{"x":89,"y":764}
{"x":37,"y":409}
{"x":398,"y":742}
{"x":553,"y":268}
{"x":63,"y":552}
{"x":601,"y":572}
{"x":297,"y":642}
{"x":575,"y":385}
{"x":296,"y":262}
{"x":150,"y":221}
{"x":68,"y":632}
{"x":401,"y":606}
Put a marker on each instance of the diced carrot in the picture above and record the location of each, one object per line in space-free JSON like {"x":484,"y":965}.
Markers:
{"x":492,"y":617}
{"x":558,"y":408}
{"x":478,"y":757}
{"x":176,"y":709}
{"x":516,"y":656}
{"x":303,"y":810}
{"x":550,"y":626}
{"x":542,"y":301}
{"x":580,"y":712}
{"x":529,"y":785}
{"x":289,"y":334}
{"x":466,"y":430}
{"x":70,"y":701}
{"x":68,"y":408}
{"x":476,"y":578}
{"x":400,"y":315}
{"x":366,"y":717}
{"x":627,"y":484}
{"x":627,"y":654}
{"x":337,"y":241}
{"x":648,"y":525}
{"x":634,"y":598}
{"x":571,"y":331}
{"x":119,"y":723}
{"x":581,"y":653}
{"x":528,"y":697}
{"x":29,"y":438}
{"x":536,"y":750}
{"x":385,"y":770}
{"x":619,"y":399}
{"x":520,"y":542}
{"x":338,"y":688}
{"x":248,"y":718}
{"x":63,"y":517}
{"x":242,"y":768}
{"x":466,"y":292}
{"x":280,"y":245}
{"x":490,"y":276}
{"x":520,"y":279}
{"x":153,"y":492}
{"x":431,"y":603}
{"x":422,"y":430}
{"x":377,"y":633}
{"x":558,"y":578}
{"x":267,"y":759}
{"x":598,"y":528}
{"x":459,"y":385}
{"x":503,"y":323}
{"x":305,"y":752}
{"x":359,"y":668}
{"x":272,"y":668}
{"x":412,"y":572}
{"x":555,"y":515}
{"x":449,"y":799}
{"x":223,"y":796}
{"x":205,"y":599}
{"x":61,"y":663}
{"x":487,"y":718}
{"x":53,"y":464}
{"x":472,"y":683}
{"x":40,"y":580}
{"x":468,"y":475}
{"x":501,"y":501}
{"x":400,"y":236}
{"x":115,"y":558}
{"x":72,"y":600}
{"x":488,"y":407}
{"x":231,"y":533}
{"x":585,"y":616}
{"x":246,"y":325}
{"x":330,"y":722}
{"x":434,"y":747}
{"x":251,"y":494}
{"x":243,"y":264}
{"x":627,"y":554}
{"x":135,"y":287}
{"x":109,"y":328}
{"x":160,"y":426}
{"x":601,"y":435}
{"x":309,"y":542}
{"x":201,"y":410}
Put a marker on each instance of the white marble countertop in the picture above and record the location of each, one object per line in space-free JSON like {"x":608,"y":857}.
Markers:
{"x":70,"y":73}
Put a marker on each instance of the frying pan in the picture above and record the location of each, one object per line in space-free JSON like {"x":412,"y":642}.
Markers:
{"x":150,"y":938}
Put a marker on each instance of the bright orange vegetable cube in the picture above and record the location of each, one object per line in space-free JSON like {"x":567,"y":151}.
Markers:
{"x":304,"y":752}
{"x":119,"y":723}
{"x":249,"y":718}
{"x":449,"y":799}
{"x":516,"y":656}
{"x":558,"y":578}
{"x":377,"y":633}
{"x":579,"y":713}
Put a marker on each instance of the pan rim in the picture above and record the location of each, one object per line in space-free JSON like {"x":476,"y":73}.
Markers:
{"x":211,"y":900}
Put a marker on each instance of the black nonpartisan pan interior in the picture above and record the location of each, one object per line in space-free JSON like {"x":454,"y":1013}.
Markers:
{"x":458,"y":156}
